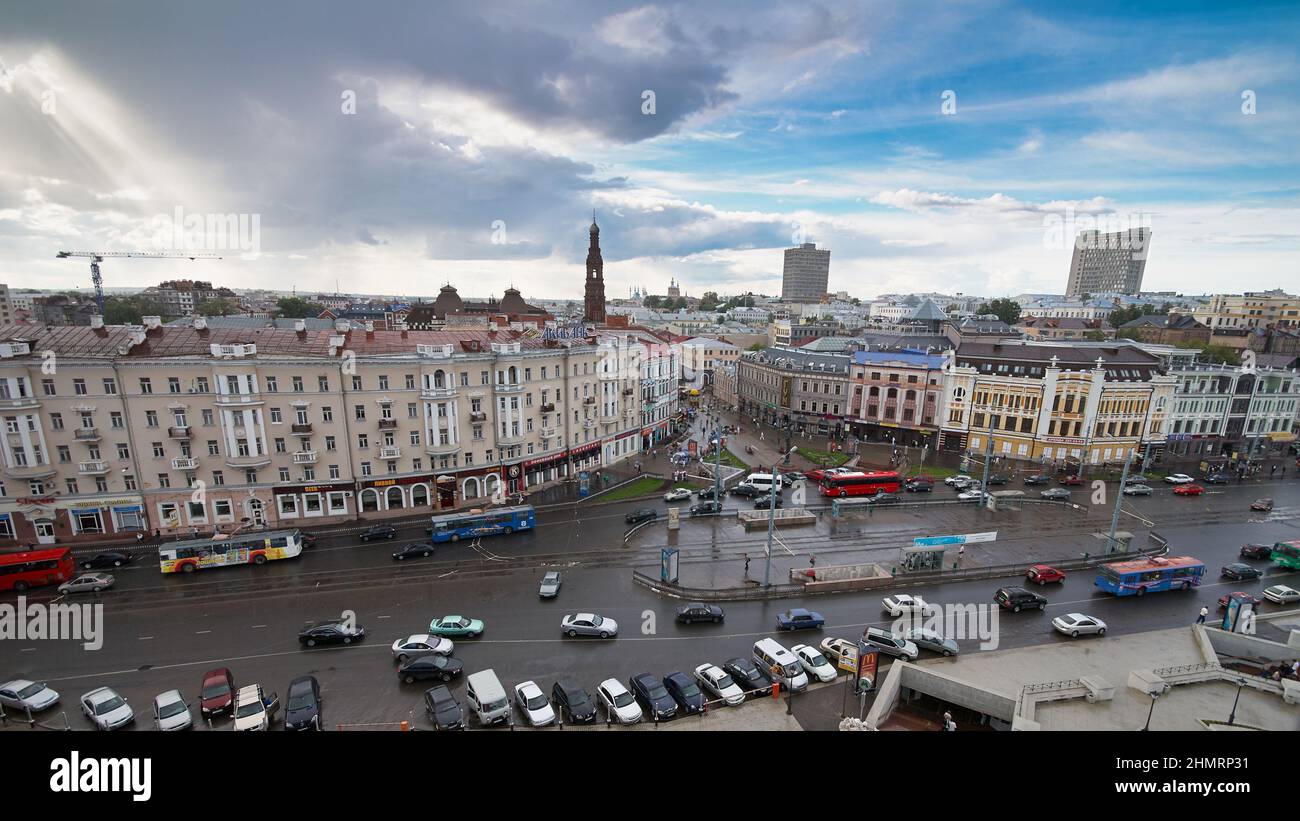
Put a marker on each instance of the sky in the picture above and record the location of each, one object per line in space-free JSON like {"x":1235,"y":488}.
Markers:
{"x":395,"y":147}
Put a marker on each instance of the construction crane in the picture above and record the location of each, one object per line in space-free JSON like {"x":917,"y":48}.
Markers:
{"x":97,"y":257}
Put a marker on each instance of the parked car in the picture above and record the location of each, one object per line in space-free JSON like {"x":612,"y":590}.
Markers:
{"x":456,"y":626}
{"x":1055,"y":494}
{"x":443,"y":709}
{"x":1263,"y":505}
{"x":677,"y":494}
{"x":1240,"y":572}
{"x":22,"y":694}
{"x":534,"y":704}
{"x":254,"y":710}
{"x":1137,"y":479}
{"x":1044,"y":574}
{"x":619,"y":703}
{"x":788,"y":479}
{"x":110,"y":559}
{"x":1218,"y":479}
{"x":378,"y":532}
{"x":654,"y":696}
{"x":550,"y":586}
{"x":718,"y":683}
{"x":1071,"y":480}
{"x":684,"y":690}
{"x":1077,"y":624}
{"x":746,"y":491}
{"x":331,"y":632}
{"x":636,"y":517}
{"x":698,"y":611}
{"x":87,"y":583}
{"x":746,"y":675}
{"x":572,"y":701}
{"x":1016,"y":599}
{"x":1188,"y":490}
{"x":919,"y":485}
{"x":1137,"y":490}
{"x":421,"y":644}
{"x":106,"y":709}
{"x":588,"y":624}
{"x":889,"y":644}
{"x":704,"y":508}
{"x":302,"y":710}
{"x":1256,"y":551}
{"x":1038,"y":479}
{"x":799,"y":619}
{"x":767,"y":500}
{"x":423,"y":668}
{"x":900,"y":603}
{"x":415,"y":550}
{"x":926,"y":639}
{"x":1281,"y":594}
{"x":171,"y":712}
{"x":1179,"y":479}
{"x":216,"y":693}
{"x":1245,"y":597}
{"x":814,"y":663}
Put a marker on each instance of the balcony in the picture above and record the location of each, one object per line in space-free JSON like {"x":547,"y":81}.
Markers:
{"x":179,"y":432}
{"x":30,"y":471}
{"x":387,"y":424}
{"x":258,"y":460}
{"x":478,"y":416}
{"x":21,"y":403}
{"x":590,"y":400}
{"x":226,"y":400}
{"x":87,"y":435}
{"x":95,"y":467}
{"x":507,"y":387}
{"x":629,"y":391}
{"x":305,"y":457}
{"x":448,"y":392}
{"x":390,"y":452}
{"x":547,"y":433}
{"x":548,"y":407}
{"x":185,"y":463}
{"x":589,"y":423}
{"x":437,"y":449}
{"x":300,"y":427}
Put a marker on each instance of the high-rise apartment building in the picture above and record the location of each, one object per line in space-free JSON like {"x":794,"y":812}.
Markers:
{"x":1108,"y":262}
{"x":806,"y":273}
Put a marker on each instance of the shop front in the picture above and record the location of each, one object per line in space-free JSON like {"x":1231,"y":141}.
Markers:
{"x":50,"y":519}
{"x":546,"y":469}
{"x":295,"y":503}
{"x":397,"y":493}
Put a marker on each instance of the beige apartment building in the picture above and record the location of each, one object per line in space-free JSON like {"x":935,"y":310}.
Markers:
{"x":114,"y":430}
{"x":1250,"y":311}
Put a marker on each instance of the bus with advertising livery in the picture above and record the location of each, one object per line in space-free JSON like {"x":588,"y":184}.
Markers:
{"x":1286,"y":554}
{"x":33,"y":568}
{"x":452,"y":527}
{"x":1154,"y":574}
{"x":225,"y":550}
{"x":860,"y":483}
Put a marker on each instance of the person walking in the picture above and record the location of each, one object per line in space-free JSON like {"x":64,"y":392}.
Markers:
{"x":1205,"y":611}
{"x":961,"y":552}
{"x":746,"y":555}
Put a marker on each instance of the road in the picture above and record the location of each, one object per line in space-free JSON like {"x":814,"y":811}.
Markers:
{"x":165,"y":632}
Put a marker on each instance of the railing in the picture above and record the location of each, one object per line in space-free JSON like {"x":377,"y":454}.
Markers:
{"x":438,"y":393}
{"x":86,"y":434}
{"x":185,"y":463}
{"x":179,"y":432}
{"x":387,"y":424}
{"x":548,"y":407}
{"x":390,"y":452}
{"x":93,"y":466}
{"x":480,"y":416}
{"x":305,"y":457}
{"x":301,"y":427}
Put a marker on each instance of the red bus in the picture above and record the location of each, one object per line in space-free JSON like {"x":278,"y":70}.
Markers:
{"x":19,"y":571}
{"x":860,"y":484}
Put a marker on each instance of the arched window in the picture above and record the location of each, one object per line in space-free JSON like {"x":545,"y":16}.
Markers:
{"x":395,"y":499}
{"x":439,"y":379}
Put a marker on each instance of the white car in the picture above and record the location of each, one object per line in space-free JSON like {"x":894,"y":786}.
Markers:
{"x":533,"y":704}
{"x":23,"y":694}
{"x":900,"y":603}
{"x":619,"y":703}
{"x":958,"y":479}
{"x":1278,"y":594}
{"x":677,"y":494}
{"x":1179,"y":479}
{"x":588,"y":624}
{"x":252,"y":710}
{"x":1077,"y":624}
{"x":716,"y":681}
{"x":838,"y":649}
{"x":814,"y":663}
{"x":421,"y":644}
{"x":171,"y":712}
{"x":106,"y":709}
{"x":87,"y":583}
{"x":971,"y":495}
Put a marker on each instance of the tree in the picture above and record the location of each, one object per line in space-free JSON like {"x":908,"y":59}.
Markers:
{"x":650,"y":301}
{"x":1095,"y":336}
{"x":219,"y":306}
{"x":1006,"y":310}
{"x":295,"y":307}
{"x":757,"y":346}
{"x":129,"y":310}
{"x":709,"y":301}
{"x":952,"y":306}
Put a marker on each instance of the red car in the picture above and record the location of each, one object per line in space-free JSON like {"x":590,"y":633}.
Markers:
{"x":1073,"y":479}
{"x":1188,"y":490}
{"x":1223,"y":600}
{"x":1043,"y":574}
{"x":217,"y":692}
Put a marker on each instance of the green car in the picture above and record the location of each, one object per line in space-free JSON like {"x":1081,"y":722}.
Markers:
{"x":455,"y":626}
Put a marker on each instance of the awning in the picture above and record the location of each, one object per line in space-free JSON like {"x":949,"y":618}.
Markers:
{"x":127,"y":509}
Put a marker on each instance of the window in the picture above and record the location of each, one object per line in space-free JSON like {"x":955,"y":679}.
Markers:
{"x":123,"y":452}
{"x":363,"y":441}
{"x":207,"y":417}
{"x":151,"y":418}
{"x":284,"y":474}
{"x":115,"y":419}
{"x":158,"y":450}
{"x":410,"y":381}
{"x":218,"y":478}
{"x":356,"y":383}
{"x":360,"y":413}
{"x":201,"y":385}
{"x":128,"y":482}
{"x":297,"y":384}
{"x":146,"y":386}
{"x":365,"y":468}
{"x":47,"y":386}
{"x":56,"y":421}
{"x":383,"y":382}
{"x":334,"y":471}
{"x":329,"y":443}
{"x":327,"y":414}
{"x":279,"y":444}
{"x":173,"y":384}
{"x":164,"y":480}
{"x":79,"y":387}
{"x":323,"y":384}
{"x":276,"y":419}
{"x":212,"y":448}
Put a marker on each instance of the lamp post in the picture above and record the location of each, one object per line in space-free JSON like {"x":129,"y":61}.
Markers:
{"x":1154,"y":696}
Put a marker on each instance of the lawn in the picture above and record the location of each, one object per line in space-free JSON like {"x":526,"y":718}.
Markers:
{"x":824,"y":458}
{"x":729,"y":459}
{"x":638,"y":487}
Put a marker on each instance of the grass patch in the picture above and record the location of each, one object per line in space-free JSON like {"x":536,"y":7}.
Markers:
{"x":638,"y":487}
{"x":729,"y":459}
{"x":824,"y":458}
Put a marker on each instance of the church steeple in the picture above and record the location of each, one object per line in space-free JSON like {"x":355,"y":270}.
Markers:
{"x":594,"y":298}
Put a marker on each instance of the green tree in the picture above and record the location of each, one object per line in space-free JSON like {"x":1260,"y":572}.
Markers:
{"x":219,"y":306}
{"x":709,"y":301}
{"x":1007,"y":310}
{"x":129,"y":310}
{"x":295,"y":307}
{"x":757,"y":346}
{"x":1095,"y":336}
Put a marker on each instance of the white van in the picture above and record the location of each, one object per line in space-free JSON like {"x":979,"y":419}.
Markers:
{"x":761,"y":481}
{"x":780,"y":664}
{"x":487,"y":698}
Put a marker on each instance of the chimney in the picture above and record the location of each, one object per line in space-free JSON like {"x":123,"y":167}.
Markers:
{"x":342,"y":325}
{"x":151,"y":322}
{"x":403,"y":333}
{"x":96,"y":321}
{"x":300,"y":326}
{"x":370,"y":329}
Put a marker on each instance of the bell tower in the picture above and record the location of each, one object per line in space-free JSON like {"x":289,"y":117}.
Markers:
{"x":594,"y":298}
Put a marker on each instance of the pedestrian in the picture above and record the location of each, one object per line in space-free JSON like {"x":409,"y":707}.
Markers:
{"x":139,"y":537}
{"x":760,"y":435}
{"x":1205,"y":611}
{"x":1272,"y":471}
{"x":961,"y":551}
{"x":157,"y":535}
{"x":812,"y":560}
{"x":948,"y":724}
{"x":746,"y":555}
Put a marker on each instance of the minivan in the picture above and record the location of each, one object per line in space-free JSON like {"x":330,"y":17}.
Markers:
{"x":781,"y":665}
{"x":761,"y":481}
{"x":487,"y":698}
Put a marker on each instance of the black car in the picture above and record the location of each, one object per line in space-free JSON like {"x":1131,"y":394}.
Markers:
{"x":708,"y":493}
{"x":1056,"y":494}
{"x":788,"y":479}
{"x":573,"y":701}
{"x":443,"y":709}
{"x":706,"y":507}
{"x":1038,"y":479}
{"x":685,"y":692}
{"x":433,"y":665}
{"x":636,"y":517}
{"x":1238,"y":571}
{"x":331,"y":632}
{"x":378,"y":532}
{"x":997,"y":479}
{"x":1217,"y":479}
{"x":1137,"y":479}
{"x":413,"y":551}
{"x":652,"y":694}
{"x":112,"y":559}
{"x":765,"y":501}
{"x":1256,"y":551}
{"x":302,"y":709}
{"x":747,"y":676}
{"x":883,"y":497}
{"x":1016,"y":599}
{"x":748,"y":491}
{"x":919,"y":486}
{"x":698,"y":611}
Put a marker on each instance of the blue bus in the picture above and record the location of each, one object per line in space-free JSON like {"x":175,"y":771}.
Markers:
{"x":1136,"y":578}
{"x":452,"y":527}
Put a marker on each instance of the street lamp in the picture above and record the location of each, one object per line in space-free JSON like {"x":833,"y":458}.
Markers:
{"x":1232,"y":717}
{"x":1154,"y":696}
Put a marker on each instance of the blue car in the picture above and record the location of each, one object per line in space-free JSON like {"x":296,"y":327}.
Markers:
{"x":799,"y":619}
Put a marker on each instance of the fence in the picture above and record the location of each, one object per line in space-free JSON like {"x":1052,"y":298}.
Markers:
{"x":33,"y":723}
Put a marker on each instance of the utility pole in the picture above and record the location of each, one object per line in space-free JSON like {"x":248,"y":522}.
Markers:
{"x":1119,"y":499}
{"x":771,"y":526}
{"x":717,"y":468}
{"x":988,"y":457}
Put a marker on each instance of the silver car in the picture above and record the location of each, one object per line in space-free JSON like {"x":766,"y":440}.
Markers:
{"x":550,"y":585}
{"x":87,"y":583}
{"x":589,"y":624}
{"x":106,"y":709}
{"x":171,"y":711}
{"x":932,"y":640}
{"x":23,"y":694}
{"x":421,"y":644}
{"x":1137,"y":490}
{"x":1077,"y":624}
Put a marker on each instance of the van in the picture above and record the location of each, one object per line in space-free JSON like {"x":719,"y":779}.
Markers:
{"x":487,"y":698}
{"x":760,"y":481}
{"x":780,"y":664}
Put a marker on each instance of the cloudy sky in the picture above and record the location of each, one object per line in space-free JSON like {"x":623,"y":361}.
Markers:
{"x":392,"y":147}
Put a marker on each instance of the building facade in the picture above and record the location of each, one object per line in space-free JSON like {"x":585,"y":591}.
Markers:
{"x":1224,"y":413}
{"x":593,"y":306}
{"x":897,"y":397}
{"x":789,"y":387}
{"x":1108,"y":262}
{"x":1251,"y":310}
{"x":805,"y":274}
